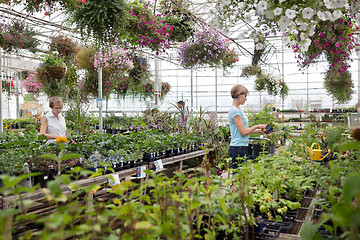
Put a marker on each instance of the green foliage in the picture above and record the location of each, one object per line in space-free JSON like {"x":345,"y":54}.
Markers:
{"x":339,"y":85}
{"x":102,"y":19}
{"x":343,"y":212}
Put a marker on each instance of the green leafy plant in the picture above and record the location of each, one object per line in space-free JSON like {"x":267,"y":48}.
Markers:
{"x":339,"y":85}
{"x":102,"y":19}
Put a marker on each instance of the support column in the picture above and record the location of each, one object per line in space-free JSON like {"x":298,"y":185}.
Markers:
{"x":282,"y":70}
{"x":17,"y":92}
{"x":191,"y":91}
{"x":358,"y":52}
{"x":100,"y":97}
{"x":157,"y":82}
{"x":216,"y":92}
{"x":1,"y":79}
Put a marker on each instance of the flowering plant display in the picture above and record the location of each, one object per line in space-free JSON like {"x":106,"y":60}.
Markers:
{"x":50,"y":86}
{"x":140,"y":73}
{"x":207,"y":49}
{"x":40,"y":5}
{"x":230,"y":59}
{"x":114,"y":58}
{"x":115,"y":61}
{"x":64,"y":46}
{"x":18,"y":35}
{"x":147,"y":30}
{"x":250,"y":70}
{"x":31,"y":85}
{"x":311,"y":28}
{"x":55,"y":77}
{"x":165,"y":88}
{"x":335,"y":40}
{"x":175,"y":13}
{"x":272,"y":85}
{"x":149,"y":89}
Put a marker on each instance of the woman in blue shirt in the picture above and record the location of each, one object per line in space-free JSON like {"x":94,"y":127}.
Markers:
{"x":239,"y":126}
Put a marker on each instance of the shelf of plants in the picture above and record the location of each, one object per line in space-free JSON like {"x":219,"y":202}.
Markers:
{"x":79,"y":202}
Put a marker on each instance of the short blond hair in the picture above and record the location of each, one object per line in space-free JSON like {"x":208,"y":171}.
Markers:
{"x":54,"y":100}
{"x":237,"y":90}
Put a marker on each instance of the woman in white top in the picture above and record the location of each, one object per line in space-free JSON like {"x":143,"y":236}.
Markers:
{"x":53,"y":123}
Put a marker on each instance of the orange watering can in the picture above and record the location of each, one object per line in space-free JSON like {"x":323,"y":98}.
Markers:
{"x":315,"y":154}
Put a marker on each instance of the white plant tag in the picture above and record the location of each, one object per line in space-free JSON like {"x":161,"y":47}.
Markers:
{"x":158,"y":165}
{"x":141,"y":172}
{"x":114,"y":181}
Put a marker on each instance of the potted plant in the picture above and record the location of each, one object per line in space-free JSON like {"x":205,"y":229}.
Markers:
{"x":86,"y":14}
{"x":54,"y":65}
{"x":145,"y":30}
{"x":31,"y":85}
{"x":18,"y":35}
{"x":208,"y":48}
{"x":64,"y":47}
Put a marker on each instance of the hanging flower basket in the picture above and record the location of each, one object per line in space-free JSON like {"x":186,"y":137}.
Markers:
{"x":56,"y":71}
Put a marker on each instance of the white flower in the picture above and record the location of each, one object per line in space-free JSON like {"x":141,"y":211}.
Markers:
{"x":278,"y":11}
{"x":305,"y":45}
{"x":292,"y":26}
{"x":328,"y":4}
{"x":312,"y":30}
{"x":321,"y":16}
{"x":284,"y":23}
{"x":226,"y":2}
{"x":308,"y":13}
{"x":269,"y":15}
{"x":339,"y":3}
{"x":281,"y":1}
{"x":302,"y":36}
{"x":259,"y":46}
{"x":262,"y":6}
{"x":329,"y":16}
{"x":290,"y":13}
{"x":294,"y":31}
{"x":337,"y":14}
{"x":303,"y":26}
{"x":285,"y":40}
{"x":241,"y":5}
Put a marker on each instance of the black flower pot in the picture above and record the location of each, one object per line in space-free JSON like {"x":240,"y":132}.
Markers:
{"x":41,"y":179}
{"x":132,"y":164}
{"x":147,"y":157}
{"x":169,"y":153}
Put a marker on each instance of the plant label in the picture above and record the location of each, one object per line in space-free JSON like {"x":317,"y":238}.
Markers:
{"x":99,"y":102}
{"x":141,"y":172}
{"x":113,"y":180}
{"x":158,"y":165}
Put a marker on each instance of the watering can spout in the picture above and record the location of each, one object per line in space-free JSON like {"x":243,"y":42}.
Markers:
{"x":325,"y":155}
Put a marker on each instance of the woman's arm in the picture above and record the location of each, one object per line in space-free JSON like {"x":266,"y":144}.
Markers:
{"x":246,"y":131}
{"x":43,"y":129}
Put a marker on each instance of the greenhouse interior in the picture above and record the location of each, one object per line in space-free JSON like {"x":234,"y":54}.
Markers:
{"x":179,"y":119}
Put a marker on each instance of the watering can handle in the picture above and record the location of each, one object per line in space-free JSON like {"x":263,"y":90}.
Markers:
{"x":311,"y":148}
